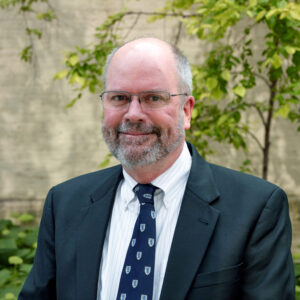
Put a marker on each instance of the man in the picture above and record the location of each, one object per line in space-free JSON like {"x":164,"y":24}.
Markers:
{"x":220,"y":234}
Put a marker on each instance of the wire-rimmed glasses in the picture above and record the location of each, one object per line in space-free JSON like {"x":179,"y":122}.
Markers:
{"x":149,"y":100}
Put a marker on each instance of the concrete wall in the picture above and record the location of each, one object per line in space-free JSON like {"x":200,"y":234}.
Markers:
{"x":42,"y":143}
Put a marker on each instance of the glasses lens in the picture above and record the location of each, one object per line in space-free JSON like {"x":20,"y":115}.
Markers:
{"x":154,"y":100}
{"x":115,"y":100}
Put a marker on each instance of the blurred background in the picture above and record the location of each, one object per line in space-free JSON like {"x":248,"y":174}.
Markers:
{"x":246,"y":67}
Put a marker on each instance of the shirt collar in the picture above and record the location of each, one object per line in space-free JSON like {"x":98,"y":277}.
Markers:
{"x":177,"y":174}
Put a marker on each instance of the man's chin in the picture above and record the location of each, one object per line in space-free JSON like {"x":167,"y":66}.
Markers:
{"x":136,"y":156}
{"x":134,"y":141}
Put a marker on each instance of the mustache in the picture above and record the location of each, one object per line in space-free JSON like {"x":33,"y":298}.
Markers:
{"x":138,"y":127}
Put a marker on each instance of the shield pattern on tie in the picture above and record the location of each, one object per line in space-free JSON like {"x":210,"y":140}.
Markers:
{"x":135,"y":283}
{"x":142,"y":227}
{"x":151,"y":242}
{"x":139,"y":255}
{"x":153,"y":214}
{"x":123,"y":297}
{"x":147,"y":270}
{"x":127,"y":269}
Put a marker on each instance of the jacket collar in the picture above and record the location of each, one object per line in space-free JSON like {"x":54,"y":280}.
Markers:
{"x":194,"y":230}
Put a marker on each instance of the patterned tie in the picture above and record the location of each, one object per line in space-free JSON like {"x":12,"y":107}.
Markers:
{"x":138,"y":271}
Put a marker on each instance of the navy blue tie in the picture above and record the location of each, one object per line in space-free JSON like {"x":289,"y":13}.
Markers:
{"x":138,"y":271}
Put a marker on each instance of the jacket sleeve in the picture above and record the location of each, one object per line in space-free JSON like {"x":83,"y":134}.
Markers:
{"x":40,"y":283}
{"x":269,"y":272}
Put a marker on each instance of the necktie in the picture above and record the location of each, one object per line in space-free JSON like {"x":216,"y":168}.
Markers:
{"x":138,"y":271}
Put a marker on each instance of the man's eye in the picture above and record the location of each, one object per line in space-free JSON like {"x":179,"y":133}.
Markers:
{"x":154,"y":98}
{"x":119,"y":98}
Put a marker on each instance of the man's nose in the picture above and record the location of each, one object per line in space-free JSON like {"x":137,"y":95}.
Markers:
{"x":135,"y":112}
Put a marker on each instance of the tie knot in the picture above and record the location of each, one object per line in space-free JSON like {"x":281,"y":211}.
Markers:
{"x":145,"y":193}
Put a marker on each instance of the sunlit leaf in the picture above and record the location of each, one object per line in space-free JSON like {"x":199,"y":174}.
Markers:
{"x":25,"y":218}
{"x":73,"y":60}
{"x":239,"y":90}
{"x":211,"y":83}
{"x":15,"y":260}
{"x":283,"y":111}
{"x":60,"y":75}
{"x":226,"y":75}
{"x":276,"y":61}
{"x":260,"y":15}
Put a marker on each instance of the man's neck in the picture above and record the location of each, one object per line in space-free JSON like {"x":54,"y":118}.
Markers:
{"x":147,"y":173}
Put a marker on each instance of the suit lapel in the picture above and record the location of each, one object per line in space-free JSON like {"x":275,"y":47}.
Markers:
{"x":194,"y":229}
{"x":94,"y":221}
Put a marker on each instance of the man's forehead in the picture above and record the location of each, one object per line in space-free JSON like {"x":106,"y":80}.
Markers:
{"x":144,"y":49}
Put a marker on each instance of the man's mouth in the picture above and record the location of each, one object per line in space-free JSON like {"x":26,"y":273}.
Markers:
{"x":135,"y":133}
{"x":137,"y":130}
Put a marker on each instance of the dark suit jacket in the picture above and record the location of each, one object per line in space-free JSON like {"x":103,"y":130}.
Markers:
{"x":232,"y":239}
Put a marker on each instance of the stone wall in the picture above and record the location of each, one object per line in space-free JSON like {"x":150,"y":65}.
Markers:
{"x":42,"y":143}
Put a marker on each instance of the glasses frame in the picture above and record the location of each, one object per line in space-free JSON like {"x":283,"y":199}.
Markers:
{"x":143,"y":92}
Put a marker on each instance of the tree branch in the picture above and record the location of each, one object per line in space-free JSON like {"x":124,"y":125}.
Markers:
{"x":263,"y":78}
{"x":178,"y":34}
{"x":254,"y":138}
{"x":132,"y":26}
{"x":259,"y":113}
{"x":161,"y":14}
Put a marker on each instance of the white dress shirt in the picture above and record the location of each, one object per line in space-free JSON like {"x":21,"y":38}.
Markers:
{"x":167,"y":203}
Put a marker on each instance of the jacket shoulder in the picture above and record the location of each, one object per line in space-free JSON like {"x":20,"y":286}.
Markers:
{"x":90,"y":180}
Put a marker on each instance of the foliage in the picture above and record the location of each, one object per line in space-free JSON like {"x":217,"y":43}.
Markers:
{"x":17,"y":249}
{"x":296,"y":258}
{"x":42,"y":11}
{"x":229,"y":72}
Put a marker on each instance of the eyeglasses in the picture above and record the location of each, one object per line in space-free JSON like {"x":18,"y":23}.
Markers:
{"x":149,"y":100}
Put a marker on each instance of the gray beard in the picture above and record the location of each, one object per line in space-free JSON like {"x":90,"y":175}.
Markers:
{"x":150,"y":154}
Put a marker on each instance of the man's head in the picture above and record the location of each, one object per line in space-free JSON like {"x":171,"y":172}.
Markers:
{"x":185,"y":80}
{"x":141,"y":134}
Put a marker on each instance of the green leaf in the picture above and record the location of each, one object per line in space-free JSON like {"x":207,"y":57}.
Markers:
{"x":8,"y":244}
{"x":72,"y":103}
{"x":106,"y":161}
{"x":276,"y":61}
{"x":9,"y":296}
{"x":73,"y":60}
{"x":211,"y":83}
{"x":194,"y":113}
{"x":222,"y":120}
{"x":239,"y":90}
{"x":5,"y":224}
{"x":226,"y":75}
{"x":283,"y":111}
{"x":295,"y":14}
{"x":25,"y":218}
{"x":15,"y":260}
{"x":217,"y":94}
{"x":4,"y":276}
{"x":60,"y":75}
{"x":272,"y":12}
{"x":5,"y":232}
{"x":296,"y":255}
{"x":252,"y":3}
{"x":77,"y":79}
{"x":260,"y":15}
{"x":25,"y":268}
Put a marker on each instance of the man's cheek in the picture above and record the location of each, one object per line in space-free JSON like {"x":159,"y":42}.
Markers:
{"x":111,"y":120}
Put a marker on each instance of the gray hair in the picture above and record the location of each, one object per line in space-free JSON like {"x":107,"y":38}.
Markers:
{"x":182,"y":66}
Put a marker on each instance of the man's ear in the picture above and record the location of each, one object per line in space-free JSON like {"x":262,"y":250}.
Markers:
{"x":188,"y":108}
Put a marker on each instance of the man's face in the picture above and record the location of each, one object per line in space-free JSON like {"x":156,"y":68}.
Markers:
{"x":140,"y":137}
